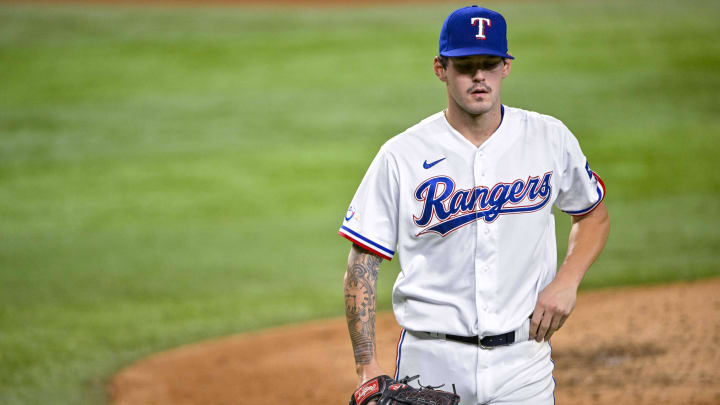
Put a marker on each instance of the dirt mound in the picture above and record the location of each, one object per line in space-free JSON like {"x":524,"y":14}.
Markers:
{"x":650,"y":345}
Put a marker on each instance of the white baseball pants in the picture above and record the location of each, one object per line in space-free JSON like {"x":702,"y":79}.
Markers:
{"x":518,"y":374}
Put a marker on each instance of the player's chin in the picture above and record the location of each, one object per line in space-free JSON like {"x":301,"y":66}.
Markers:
{"x":478,"y":108}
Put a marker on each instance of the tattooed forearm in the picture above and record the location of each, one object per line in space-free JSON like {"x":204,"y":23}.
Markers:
{"x":360,"y":299}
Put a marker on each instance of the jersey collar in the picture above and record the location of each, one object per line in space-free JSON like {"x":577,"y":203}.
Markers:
{"x":498,"y":131}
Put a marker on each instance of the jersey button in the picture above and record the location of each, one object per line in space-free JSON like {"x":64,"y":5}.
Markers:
{"x":486,"y":269}
{"x":487,"y":231}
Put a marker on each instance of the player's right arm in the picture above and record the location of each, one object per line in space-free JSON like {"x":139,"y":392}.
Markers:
{"x":360,"y":301}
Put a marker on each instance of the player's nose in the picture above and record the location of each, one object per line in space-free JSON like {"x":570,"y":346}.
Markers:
{"x":478,"y":75}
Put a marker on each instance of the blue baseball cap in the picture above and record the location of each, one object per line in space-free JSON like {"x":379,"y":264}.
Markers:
{"x":474,"y":31}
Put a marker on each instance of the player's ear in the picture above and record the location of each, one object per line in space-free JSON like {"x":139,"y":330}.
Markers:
{"x":439,"y":70}
{"x":506,"y":68}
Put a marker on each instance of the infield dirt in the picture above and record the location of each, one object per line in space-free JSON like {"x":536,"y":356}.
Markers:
{"x":643,"y":345}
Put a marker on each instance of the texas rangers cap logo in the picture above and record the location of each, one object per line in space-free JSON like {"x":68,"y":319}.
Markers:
{"x":474,"y":31}
{"x":481,"y":23}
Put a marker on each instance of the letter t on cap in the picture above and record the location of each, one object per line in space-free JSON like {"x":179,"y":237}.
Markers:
{"x":481,"y":22}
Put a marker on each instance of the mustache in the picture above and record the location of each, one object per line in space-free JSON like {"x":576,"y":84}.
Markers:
{"x":479,"y":87}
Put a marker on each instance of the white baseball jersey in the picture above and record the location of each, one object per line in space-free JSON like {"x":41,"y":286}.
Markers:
{"x":474,"y":226}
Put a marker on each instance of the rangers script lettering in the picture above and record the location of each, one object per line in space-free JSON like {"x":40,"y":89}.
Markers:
{"x":442,"y":201}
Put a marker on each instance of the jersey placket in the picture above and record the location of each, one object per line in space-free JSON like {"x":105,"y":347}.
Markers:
{"x":485,"y":250}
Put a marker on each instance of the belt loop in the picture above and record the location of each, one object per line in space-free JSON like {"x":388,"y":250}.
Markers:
{"x":523,"y":332}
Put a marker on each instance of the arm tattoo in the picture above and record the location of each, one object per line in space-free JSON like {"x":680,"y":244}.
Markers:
{"x":360,"y":299}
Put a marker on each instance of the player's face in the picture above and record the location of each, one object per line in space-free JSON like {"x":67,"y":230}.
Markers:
{"x":474,"y":82}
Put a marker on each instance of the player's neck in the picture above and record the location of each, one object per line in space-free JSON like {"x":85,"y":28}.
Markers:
{"x":475,"y":128}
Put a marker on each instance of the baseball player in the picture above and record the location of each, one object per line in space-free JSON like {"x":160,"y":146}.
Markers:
{"x":465,"y":197}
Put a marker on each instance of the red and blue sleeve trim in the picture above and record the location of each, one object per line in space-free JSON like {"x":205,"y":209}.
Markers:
{"x":601,"y":196}
{"x":366,"y":243}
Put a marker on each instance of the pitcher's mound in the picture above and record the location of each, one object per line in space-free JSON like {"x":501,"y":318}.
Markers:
{"x":649,"y":345}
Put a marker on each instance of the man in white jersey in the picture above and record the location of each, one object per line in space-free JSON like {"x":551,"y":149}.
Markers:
{"x":465,"y":197}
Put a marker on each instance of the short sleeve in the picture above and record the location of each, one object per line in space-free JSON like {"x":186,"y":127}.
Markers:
{"x":371,"y":220}
{"x":581,"y":189}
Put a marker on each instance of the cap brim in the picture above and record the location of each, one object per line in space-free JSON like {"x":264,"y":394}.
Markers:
{"x":474,"y":51}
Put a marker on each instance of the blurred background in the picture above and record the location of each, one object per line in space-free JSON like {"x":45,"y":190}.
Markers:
{"x":171,"y":173}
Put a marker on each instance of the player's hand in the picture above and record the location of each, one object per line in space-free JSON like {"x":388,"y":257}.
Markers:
{"x":554,"y":305}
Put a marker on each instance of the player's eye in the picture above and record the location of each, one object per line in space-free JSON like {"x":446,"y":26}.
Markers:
{"x":485,"y":65}
{"x":490,"y":64}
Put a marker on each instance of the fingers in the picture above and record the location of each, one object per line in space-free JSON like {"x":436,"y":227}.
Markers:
{"x":554,"y":326}
{"x":535,"y":321}
{"x":544,"y":324}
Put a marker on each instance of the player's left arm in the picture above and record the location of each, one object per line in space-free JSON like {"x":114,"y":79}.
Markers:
{"x":588,"y":235}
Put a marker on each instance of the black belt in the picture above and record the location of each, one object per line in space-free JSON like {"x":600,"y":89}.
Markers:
{"x":487,"y":341}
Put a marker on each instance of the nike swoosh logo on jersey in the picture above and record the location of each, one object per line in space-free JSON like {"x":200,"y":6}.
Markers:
{"x":427,"y":165}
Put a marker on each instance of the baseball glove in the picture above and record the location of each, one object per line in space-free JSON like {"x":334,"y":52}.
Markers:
{"x":387,"y":391}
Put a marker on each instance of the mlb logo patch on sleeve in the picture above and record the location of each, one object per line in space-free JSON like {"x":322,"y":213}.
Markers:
{"x":350,"y":213}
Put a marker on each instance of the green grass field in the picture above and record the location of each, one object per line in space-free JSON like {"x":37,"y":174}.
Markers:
{"x":173,"y":174}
